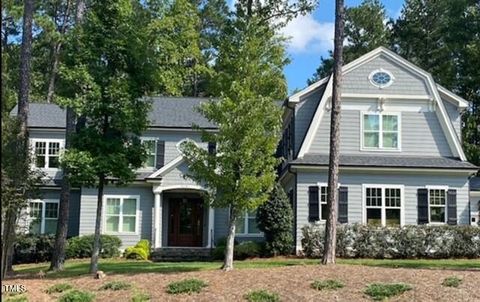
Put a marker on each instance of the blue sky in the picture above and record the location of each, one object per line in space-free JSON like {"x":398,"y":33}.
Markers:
{"x":312,"y":37}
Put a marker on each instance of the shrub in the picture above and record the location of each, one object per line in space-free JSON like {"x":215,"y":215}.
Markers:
{"x":116,"y":285}
{"x":16,"y":298}
{"x":262,"y":296}
{"x":326,"y":284}
{"x":32,"y":248}
{"x":81,"y":247}
{"x":186,"y":286}
{"x":362,"y":241}
{"x":77,"y":296}
{"x":241,"y":251}
{"x":275,"y":220}
{"x":140,"y":297}
{"x":452,"y":281}
{"x":382,"y":291}
{"x":59,"y":288}
{"x":141,"y":251}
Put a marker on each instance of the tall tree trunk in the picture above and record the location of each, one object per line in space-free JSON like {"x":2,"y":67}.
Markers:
{"x":58,"y":256}
{"x":98,"y":221}
{"x":332,"y":191}
{"x":22,"y":140}
{"x":56,"y":55}
{"x":228,"y":260}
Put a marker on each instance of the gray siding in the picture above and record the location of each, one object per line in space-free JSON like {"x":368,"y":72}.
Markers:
{"x":176,"y":177}
{"x":89,"y":207}
{"x":354,"y":183}
{"x":405,"y":81}
{"x":304,"y":112}
{"x":454,"y":116}
{"x":421,"y":133}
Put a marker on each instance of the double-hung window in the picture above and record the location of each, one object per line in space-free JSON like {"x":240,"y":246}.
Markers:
{"x":247,"y":224}
{"x":151,"y":148}
{"x":437,"y":200}
{"x":43,"y":216}
{"x":383,"y":205}
{"x":381,"y":131}
{"x":121,"y":214}
{"x":47,"y":153}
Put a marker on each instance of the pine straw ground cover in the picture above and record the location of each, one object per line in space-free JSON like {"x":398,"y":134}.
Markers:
{"x":291,"y":283}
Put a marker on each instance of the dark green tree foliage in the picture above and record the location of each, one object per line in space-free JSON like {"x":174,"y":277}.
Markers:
{"x":275,"y":220}
{"x":365,"y":30}
{"x":104,"y":78}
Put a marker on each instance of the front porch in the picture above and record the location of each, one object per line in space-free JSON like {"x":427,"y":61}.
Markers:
{"x":182,"y":219}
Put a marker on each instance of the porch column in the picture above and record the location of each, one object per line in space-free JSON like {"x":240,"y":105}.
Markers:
{"x":158,"y":220}
{"x":211,"y":221}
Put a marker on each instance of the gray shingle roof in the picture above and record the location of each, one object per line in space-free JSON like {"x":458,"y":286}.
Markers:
{"x":169,"y":112}
{"x":475,"y":184}
{"x":386,"y":161}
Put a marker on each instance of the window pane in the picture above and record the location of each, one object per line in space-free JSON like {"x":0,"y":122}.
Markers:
{"x":371,"y":122}
{"x":390,"y":140}
{"x":40,"y":161}
{"x":252,"y":226}
{"x":374,"y":197}
{"x":40,"y":148}
{"x":374,"y":216}
{"x":129,"y":224}
{"x":50,"y":226}
{"x":390,"y":122}
{"x":392,"y":197}
{"x":371,"y":140}
{"x":112,"y":223}
{"x":51,"y":210}
{"x":129,"y":206}
{"x":36,"y":209}
{"x":393,"y":217}
{"x":150,"y":162}
{"x":437,"y":214}
{"x":240,"y":225}
{"x":150,"y":149}
{"x":35,"y":226}
{"x":113,"y":206}
{"x":324,"y":211}
{"x":53,"y":148}
{"x":53,"y":162}
{"x":323,"y":194}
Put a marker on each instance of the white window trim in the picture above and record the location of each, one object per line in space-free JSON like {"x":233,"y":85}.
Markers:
{"x":120,"y":220}
{"x":154,"y":139}
{"x":33,"y":142}
{"x":381,"y":86}
{"x":246,"y":233}
{"x":445,"y":188}
{"x":380,"y":131}
{"x":42,"y":216}
{"x":383,"y":207}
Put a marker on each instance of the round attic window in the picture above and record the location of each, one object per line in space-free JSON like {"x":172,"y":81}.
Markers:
{"x":381,"y":78}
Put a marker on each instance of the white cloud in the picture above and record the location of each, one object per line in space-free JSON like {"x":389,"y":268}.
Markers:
{"x":308,"y":35}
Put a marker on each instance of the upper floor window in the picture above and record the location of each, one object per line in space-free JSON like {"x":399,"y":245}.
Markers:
{"x":47,"y":153}
{"x":381,"y":131}
{"x":381,"y":78}
{"x":151,"y":148}
{"x":43,"y":216}
{"x":247,"y":224}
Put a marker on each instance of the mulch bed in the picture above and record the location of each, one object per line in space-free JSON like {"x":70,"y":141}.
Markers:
{"x":292,"y":283}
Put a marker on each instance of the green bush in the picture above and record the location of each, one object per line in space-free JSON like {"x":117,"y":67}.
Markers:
{"x":32,"y":248}
{"x":452,"y":281}
{"x":59,"y":288}
{"x":382,"y":291}
{"x":326,"y":284}
{"x":141,"y":251}
{"x":262,"y":296}
{"x":140,"y":297}
{"x":81,"y":247}
{"x":187,"y":286}
{"x":77,"y":296}
{"x":362,"y":241}
{"x":16,"y":298}
{"x":116,"y":285}
{"x":241,"y":251}
{"x":275,"y":220}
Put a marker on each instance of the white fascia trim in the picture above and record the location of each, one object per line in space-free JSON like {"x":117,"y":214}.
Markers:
{"x":445,"y":122}
{"x":317,"y":118}
{"x":452,"y":97}
{"x":385,"y":96}
{"x":388,"y":169}
{"x":296,"y":97}
{"x":168,"y":167}
{"x":474,"y":193}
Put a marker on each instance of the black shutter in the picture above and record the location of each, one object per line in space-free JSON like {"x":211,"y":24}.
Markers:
{"x":160,"y":154}
{"x":343,"y":205}
{"x":313,"y":211}
{"x":212,"y":147}
{"x":290,"y":197}
{"x":422,"y":206}
{"x":452,"y":207}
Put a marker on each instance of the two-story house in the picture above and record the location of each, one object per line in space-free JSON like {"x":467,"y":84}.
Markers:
{"x":401,"y":162}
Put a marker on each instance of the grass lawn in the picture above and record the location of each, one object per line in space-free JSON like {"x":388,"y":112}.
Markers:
{"x":122,"y":266}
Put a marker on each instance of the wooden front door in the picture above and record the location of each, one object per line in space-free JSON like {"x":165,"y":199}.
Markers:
{"x":185,"y":226}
